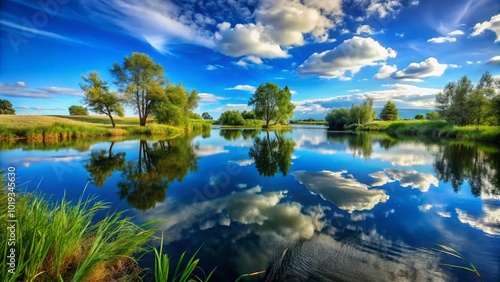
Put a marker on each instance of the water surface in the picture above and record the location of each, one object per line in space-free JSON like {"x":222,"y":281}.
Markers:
{"x":372,"y":203}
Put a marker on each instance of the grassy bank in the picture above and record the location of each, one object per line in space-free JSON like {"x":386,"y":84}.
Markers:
{"x":59,"y":241}
{"x":56,"y":128}
{"x":434,"y":129}
{"x":306,"y":122}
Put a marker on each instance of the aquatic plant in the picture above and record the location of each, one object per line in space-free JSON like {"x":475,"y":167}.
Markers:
{"x":452,"y":252}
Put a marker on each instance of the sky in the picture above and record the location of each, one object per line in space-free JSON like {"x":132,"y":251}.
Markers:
{"x":331,"y":53}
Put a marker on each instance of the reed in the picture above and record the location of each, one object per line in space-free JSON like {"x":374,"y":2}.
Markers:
{"x":452,"y":252}
{"x":60,"y":242}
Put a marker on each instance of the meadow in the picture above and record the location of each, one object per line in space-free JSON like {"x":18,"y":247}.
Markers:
{"x":57,"y":128}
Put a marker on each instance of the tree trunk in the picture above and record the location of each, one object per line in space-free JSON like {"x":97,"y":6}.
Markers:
{"x":112,"y":120}
{"x":142,"y":121}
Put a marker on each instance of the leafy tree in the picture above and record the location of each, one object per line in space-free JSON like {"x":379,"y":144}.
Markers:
{"x":248,"y":115}
{"x":271,"y":103}
{"x":142,"y":82}
{"x":193,"y":115}
{"x":452,"y":102}
{"x":176,"y":105}
{"x":389,"y":111}
{"x":6,"y":108}
{"x":206,"y":116}
{"x":231,"y":117}
{"x":338,"y":118}
{"x":99,"y":98}
{"x":420,"y":116}
{"x":78,"y":111}
{"x":362,"y":114}
{"x":432,"y":115}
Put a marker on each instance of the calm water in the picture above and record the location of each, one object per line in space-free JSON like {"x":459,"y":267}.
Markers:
{"x":371,"y":203}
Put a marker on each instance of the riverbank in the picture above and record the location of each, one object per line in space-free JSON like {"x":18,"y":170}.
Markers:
{"x":56,"y":128}
{"x":433,"y":129}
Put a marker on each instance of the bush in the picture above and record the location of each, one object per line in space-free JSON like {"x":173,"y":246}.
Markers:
{"x":432,"y":115}
{"x":338,"y":118}
{"x":78,"y":111}
{"x":419,"y":116}
{"x":231,"y":117}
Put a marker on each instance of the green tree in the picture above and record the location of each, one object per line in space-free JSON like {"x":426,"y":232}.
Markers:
{"x":271,"y":103}
{"x":432,"y":115}
{"x":452,"y":102}
{"x":206,"y":116}
{"x":78,"y":111}
{"x":99,"y":98}
{"x":338,"y":118}
{"x":419,"y":116}
{"x":176,"y":106}
{"x":6,"y":108}
{"x":231,"y":117}
{"x":142,"y":82}
{"x":248,"y":115}
{"x":362,"y":114}
{"x":389,"y":111}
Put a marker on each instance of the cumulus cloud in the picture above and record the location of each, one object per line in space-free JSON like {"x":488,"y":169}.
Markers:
{"x":493,"y":24}
{"x":494,"y":61}
{"x":350,"y":56}
{"x":345,"y":192}
{"x":243,"y":87}
{"x":365,"y":29}
{"x":406,"y":178}
{"x":382,"y":8}
{"x":425,"y":208}
{"x":213,"y":67}
{"x":414,"y":72}
{"x":20,"y":89}
{"x":209,"y":150}
{"x":489,"y":222}
{"x":444,"y":214}
{"x":443,"y":39}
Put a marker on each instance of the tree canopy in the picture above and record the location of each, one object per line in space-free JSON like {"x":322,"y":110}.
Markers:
{"x":338,"y":118}
{"x":389,"y":111}
{"x":231,"y":117}
{"x":6,"y":108}
{"x":357,"y":114}
{"x":271,"y":103}
{"x":99,"y":98}
{"x":76,"y":110}
{"x":463,"y":103}
{"x":175,"y":107}
{"x":207,"y":116}
{"x":142,"y":81}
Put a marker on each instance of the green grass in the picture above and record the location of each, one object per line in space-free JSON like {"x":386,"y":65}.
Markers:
{"x":58,"y":128}
{"x":59,"y":242}
{"x":316,"y":122}
{"x":433,"y":129}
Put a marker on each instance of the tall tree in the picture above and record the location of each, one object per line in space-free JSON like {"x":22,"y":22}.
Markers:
{"x":76,"y":110}
{"x":99,"y":98}
{"x":389,"y":111}
{"x":271,"y":103}
{"x":176,"y":106}
{"x":142,"y":82}
{"x":206,"y":115}
{"x":6,"y":108}
{"x":452,"y":102}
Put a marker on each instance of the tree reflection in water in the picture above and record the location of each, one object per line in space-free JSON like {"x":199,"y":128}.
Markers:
{"x":361,"y":143}
{"x":103,"y":163}
{"x":235,"y":134}
{"x":480,"y":167}
{"x":272,"y":154}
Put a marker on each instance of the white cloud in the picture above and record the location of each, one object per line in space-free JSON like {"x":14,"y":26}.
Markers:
{"x":454,"y":66}
{"x":245,"y":162}
{"x":210,"y":98}
{"x":243,"y":87}
{"x":365,"y":29}
{"x":354,"y":90}
{"x":250,"y":61}
{"x":489,"y":222}
{"x":349,"y":56}
{"x":425,"y":208}
{"x":407,"y":154}
{"x":400,"y":34}
{"x":455,"y":33}
{"x":414,"y":2}
{"x":493,"y":24}
{"x":406,"y":178}
{"x":469,"y":62}
{"x":40,"y":108}
{"x":20,"y":89}
{"x":414,"y":72}
{"x":444,"y":214}
{"x":383,"y":8}
{"x":208,"y":150}
{"x":344,"y":31}
{"x":438,"y":40}
{"x":213,"y":67}
{"x":494,"y":61}
{"x":159,"y":23}
{"x":249,"y":39}
{"x":345,"y":192}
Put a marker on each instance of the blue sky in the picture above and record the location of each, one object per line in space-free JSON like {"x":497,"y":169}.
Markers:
{"x":330,"y":53}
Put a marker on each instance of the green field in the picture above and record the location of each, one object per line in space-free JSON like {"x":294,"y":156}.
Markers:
{"x":54,"y":128}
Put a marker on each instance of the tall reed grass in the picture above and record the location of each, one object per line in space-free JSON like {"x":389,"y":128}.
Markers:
{"x":60,"y":242}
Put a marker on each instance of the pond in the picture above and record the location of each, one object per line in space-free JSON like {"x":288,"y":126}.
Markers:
{"x":370,"y":206}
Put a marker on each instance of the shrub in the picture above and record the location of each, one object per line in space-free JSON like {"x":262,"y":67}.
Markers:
{"x":231,"y":117}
